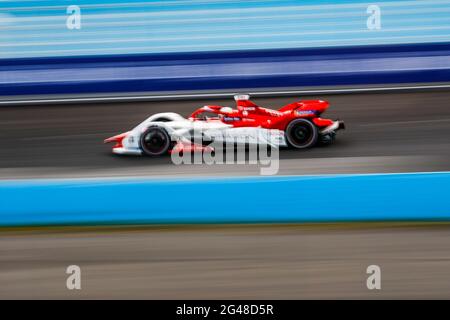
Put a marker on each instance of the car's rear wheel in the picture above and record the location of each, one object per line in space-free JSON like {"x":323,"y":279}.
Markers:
{"x":155,"y":141}
{"x":301,"y":134}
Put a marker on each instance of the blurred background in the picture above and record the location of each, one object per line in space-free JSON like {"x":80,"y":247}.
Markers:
{"x":73,"y":73}
{"x":107,"y":48}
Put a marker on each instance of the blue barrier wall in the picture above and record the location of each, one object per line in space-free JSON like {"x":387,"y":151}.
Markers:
{"x":236,"y":70}
{"x":233,"y":200}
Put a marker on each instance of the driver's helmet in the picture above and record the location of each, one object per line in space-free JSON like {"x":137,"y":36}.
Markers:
{"x":226,"y":110}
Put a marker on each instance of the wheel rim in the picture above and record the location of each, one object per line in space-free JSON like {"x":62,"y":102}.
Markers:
{"x":155,"y":141}
{"x":301,"y":134}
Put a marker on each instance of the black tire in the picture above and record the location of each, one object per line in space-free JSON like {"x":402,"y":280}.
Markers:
{"x":155,"y":141}
{"x":301,"y":134}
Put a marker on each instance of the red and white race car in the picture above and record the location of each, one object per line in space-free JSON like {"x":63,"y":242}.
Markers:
{"x":296,"y":125}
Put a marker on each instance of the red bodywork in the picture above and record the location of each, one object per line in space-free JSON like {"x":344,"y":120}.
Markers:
{"x":248,"y":114}
{"x":117,"y":139}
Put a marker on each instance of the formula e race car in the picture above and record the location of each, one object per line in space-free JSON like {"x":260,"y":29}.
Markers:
{"x":296,"y":125}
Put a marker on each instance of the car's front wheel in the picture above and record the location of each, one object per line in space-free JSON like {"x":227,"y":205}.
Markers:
{"x":301,"y":134}
{"x":155,"y":141}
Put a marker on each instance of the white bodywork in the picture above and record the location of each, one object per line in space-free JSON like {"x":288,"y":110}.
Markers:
{"x":182,"y":129}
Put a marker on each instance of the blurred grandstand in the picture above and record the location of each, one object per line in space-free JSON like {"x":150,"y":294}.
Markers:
{"x":168,"y":47}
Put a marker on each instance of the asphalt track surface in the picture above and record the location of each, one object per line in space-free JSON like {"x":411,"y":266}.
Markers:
{"x":386,"y":132}
{"x":247,"y":262}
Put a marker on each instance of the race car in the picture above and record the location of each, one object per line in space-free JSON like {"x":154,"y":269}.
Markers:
{"x":296,"y":125}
